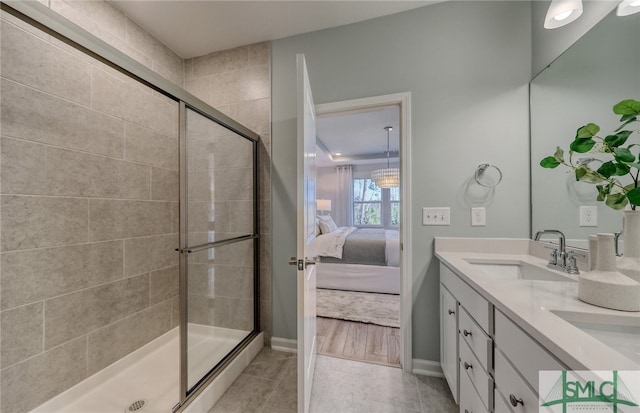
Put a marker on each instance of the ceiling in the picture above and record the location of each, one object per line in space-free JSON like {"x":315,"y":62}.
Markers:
{"x":195,"y":28}
{"x":359,"y":136}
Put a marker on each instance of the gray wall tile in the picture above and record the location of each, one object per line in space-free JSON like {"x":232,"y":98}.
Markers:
{"x":218,"y":62}
{"x":21,"y":333}
{"x":112,"y":219}
{"x":107,"y":92}
{"x":146,"y":146}
{"x":32,"y":115}
{"x":35,"y":222}
{"x":72,"y":315}
{"x":150,"y":111}
{"x":58,"y":73}
{"x":234,"y":216}
{"x":163,"y":284}
{"x":72,"y":173}
{"x":260,"y":53}
{"x":200,"y":309}
{"x":165,"y":184}
{"x":245,"y":84}
{"x":109,"y":344}
{"x":30,"y":383}
{"x":233,"y":282}
{"x":34,"y":275}
{"x":235,"y":313}
{"x":21,"y":166}
{"x":145,"y":254}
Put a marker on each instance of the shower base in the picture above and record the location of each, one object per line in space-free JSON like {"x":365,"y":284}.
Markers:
{"x":150,"y":375}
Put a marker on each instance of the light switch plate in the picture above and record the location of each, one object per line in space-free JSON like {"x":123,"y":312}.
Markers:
{"x":478,"y":217}
{"x":436,"y":216}
{"x":588,"y":216}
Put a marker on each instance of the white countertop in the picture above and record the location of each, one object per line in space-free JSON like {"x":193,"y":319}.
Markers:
{"x":529,"y":303}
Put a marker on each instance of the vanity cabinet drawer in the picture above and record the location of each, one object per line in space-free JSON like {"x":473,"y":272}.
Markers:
{"x":471,"y":367}
{"x":467,"y":296}
{"x":501,"y":405}
{"x":525,"y":354}
{"x":470,"y":402}
{"x":479,"y":342}
{"x":511,"y":384}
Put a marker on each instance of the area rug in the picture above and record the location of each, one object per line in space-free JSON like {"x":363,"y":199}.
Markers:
{"x":372,"y":308}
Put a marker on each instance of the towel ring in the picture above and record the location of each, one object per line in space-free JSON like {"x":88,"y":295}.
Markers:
{"x":482,"y":168}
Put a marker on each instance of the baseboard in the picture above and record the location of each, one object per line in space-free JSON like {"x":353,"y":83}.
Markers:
{"x":427,"y":368}
{"x":284,"y":344}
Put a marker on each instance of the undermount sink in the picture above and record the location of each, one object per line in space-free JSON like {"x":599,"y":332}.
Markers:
{"x":518,"y":270}
{"x":620,"y":332}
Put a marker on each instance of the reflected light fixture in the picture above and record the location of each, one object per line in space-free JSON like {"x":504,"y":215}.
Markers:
{"x":389,"y":177}
{"x":628,"y":7}
{"x":562,"y":12}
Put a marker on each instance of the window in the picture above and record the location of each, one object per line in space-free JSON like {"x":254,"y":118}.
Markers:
{"x":374,"y":206}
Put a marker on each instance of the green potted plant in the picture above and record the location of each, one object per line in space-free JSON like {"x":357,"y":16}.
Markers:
{"x":625,"y":160}
{"x":612,"y":177}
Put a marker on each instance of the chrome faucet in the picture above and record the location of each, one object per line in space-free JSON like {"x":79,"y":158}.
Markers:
{"x":558,"y":257}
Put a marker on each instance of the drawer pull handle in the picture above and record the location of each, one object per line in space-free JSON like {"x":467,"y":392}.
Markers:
{"x":466,"y":333}
{"x":451,"y":312}
{"x":468,"y":366}
{"x":515,"y":402}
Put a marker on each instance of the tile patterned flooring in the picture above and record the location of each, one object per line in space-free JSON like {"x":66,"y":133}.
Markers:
{"x":269,"y":385}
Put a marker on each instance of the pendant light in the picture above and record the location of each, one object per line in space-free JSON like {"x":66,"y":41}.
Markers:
{"x":389,"y":177}
{"x":628,"y":7}
{"x":562,"y":12}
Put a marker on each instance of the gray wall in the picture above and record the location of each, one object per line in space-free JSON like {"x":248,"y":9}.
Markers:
{"x":548,"y":45}
{"x":467,"y":65}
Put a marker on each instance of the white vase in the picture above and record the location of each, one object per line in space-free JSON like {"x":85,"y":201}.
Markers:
{"x":629,"y":263}
{"x":606,"y":286}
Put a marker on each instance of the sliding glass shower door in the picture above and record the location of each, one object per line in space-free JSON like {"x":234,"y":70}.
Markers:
{"x":219,"y":222}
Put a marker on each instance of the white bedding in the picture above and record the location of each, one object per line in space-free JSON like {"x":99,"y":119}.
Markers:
{"x":356,"y":277}
{"x":331,"y":245}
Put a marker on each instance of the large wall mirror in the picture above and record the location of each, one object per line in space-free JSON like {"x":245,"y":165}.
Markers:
{"x":581,"y":86}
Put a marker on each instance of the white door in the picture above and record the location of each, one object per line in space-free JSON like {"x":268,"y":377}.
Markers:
{"x":306,"y":221}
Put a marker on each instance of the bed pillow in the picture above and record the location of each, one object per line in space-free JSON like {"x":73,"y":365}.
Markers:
{"x":327,"y":224}
{"x":318,"y":231}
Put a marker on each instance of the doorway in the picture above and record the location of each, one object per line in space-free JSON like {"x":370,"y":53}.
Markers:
{"x":364,"y":290}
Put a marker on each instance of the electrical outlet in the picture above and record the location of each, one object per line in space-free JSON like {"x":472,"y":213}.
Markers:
{"x":478,"y":217}
{"x":588,"y":216}
{"x":436,"y":216}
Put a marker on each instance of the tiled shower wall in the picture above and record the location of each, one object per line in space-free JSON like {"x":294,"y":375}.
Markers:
{"x":238,"y":83}
{"x":88,"y":216}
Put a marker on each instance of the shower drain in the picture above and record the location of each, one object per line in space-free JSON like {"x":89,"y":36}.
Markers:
{"x":136,"y":406}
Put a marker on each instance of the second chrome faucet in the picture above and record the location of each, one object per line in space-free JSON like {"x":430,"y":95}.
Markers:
{"x":559,"y":258}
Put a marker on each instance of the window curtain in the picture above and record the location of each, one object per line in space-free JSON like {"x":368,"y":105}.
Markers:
{"x":344,"y":196}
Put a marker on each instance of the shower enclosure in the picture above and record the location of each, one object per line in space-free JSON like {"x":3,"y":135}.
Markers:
{"x":129,"y":228}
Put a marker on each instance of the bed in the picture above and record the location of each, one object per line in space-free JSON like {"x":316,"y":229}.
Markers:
{"x":359,"y":259}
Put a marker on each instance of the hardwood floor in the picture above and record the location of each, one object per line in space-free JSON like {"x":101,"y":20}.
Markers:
{"x":359,"y":341}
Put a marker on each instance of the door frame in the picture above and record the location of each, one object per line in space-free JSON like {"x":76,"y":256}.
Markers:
{"x":403,"y":100}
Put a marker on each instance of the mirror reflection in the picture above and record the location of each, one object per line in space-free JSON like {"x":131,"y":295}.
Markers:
{"x":580,"y":87}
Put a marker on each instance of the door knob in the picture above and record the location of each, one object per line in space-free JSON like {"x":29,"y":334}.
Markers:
{"x":309,"y":261}
{"x":515,"y":401}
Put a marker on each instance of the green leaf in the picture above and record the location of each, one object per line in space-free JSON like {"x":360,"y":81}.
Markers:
{"x":616,"y":201}
{"x":629,"y":117}
{"x":633,"y":165}
{"x":587,"y":131}
{"x":549,"y":162}
{"x":627,"y":107}
{"x":603,"y":191}
{"x":582,"y":145}
{"x":618,"y":139}
{"x":626,"y":122}
{"x":607,"y":169}
{"x":559,"y":155}
{"x":621,"y":169}
{"x":624,"y":155}
{"x":634,"y":196}
{"x":580,"y":173}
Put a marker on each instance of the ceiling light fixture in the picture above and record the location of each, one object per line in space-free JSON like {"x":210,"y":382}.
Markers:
{"x":562,"y":12}
{"x":389,"y":177}
{"x":628,"y":7}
